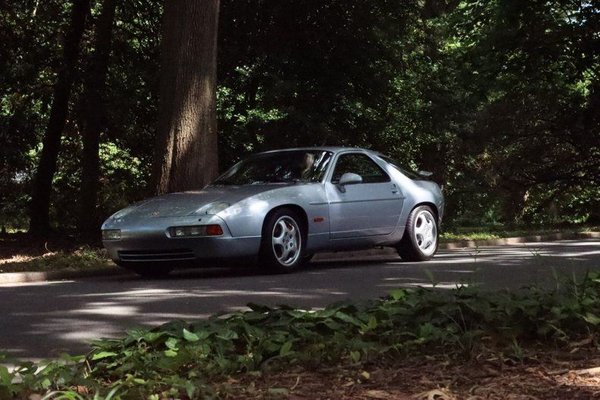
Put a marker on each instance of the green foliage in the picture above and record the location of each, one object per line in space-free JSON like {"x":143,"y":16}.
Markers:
{"x":179,"y":359}
{"x":312,"y":73}
{"x":30,"y":51}
{"x":498,"y":98}
{"x":123,"y":177}
{"x":528,"y":128}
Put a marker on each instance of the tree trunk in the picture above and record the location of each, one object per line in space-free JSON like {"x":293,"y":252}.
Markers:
{"x":95,"y":119}
{"x":186,"y":148}
{"x":40,"y":200}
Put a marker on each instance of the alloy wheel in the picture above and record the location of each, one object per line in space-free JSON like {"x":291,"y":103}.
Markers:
{"x":286,"y":240}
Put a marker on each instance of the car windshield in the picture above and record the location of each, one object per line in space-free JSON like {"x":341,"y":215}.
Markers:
{"x":278,"y":167}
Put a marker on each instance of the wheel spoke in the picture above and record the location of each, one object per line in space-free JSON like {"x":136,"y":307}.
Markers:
{"x":419,"y":226}
{"x":426,"y":243}
{"x":284,"y":254}
{"x":291,"y":229}
{"x":278,"y":240}
{"x":282,"y":229}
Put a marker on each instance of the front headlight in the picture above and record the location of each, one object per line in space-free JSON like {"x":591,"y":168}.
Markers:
{"x":111,"y":234}
{"x":195,"y":231}
{"x":212,"y":208}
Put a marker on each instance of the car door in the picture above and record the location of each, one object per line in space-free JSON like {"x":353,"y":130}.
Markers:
{"x":369,"y":208}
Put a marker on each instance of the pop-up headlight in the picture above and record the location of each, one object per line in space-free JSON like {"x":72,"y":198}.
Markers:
{"x":212,"y":208}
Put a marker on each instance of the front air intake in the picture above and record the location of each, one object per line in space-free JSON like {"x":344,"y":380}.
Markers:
{"x":156,"y":255}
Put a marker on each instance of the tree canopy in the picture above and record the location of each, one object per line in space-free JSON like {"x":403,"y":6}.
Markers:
{"x":500,"y":99}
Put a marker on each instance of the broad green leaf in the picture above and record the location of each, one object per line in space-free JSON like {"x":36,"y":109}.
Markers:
{"x":286,"y":348}
{"x":170,"y":353}
{"x":190,"y":389}
{"x":398,"y":294}
{"x":592,"y":319}
{"x":348,"y":318}
{"x":171,"y":343}
{"x":102,"y":355}
{"x":5,"y":376}
{"x":227,"y":335}
{"x":190,"y":336}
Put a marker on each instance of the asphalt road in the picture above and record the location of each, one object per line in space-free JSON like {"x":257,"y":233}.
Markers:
{"x":41,"y":320}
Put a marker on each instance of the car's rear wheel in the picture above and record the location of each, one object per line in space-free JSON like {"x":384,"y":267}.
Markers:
{"x":148,"y":270}
{"x":282,"y":248}
{"x":420,"y":240}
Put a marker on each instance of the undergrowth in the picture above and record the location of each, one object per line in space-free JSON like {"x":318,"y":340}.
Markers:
{"x":80,"y":259}
{"x":187,"y":361}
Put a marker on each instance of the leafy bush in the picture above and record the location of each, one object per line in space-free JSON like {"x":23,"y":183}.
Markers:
{"x":182,"y":360}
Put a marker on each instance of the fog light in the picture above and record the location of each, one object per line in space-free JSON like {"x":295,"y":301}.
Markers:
{"x":111,"y":234}
{"x":195,"y":231}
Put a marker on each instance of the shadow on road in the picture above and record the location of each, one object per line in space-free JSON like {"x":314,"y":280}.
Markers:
{"x":44,"y":319}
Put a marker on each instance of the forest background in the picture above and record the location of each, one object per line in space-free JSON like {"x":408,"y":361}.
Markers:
{"x":500,"y":99}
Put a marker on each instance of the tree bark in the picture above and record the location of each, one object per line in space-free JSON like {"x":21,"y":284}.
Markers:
{"x":95,"y":119}
{"x":186,"y":148}
{"x":40,"y":200}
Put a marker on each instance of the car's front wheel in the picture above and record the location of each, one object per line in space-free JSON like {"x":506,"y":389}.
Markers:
{"x":282,"y":248}
{"x":420,"y":240}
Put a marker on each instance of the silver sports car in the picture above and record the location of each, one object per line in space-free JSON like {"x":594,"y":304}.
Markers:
{"x":281,"y":207}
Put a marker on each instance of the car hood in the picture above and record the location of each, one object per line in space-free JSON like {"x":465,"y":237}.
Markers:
{"x":185,"y":203}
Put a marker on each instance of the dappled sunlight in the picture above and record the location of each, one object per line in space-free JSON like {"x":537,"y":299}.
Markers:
{"x":110,"y":309}
{"x":34,"y":284}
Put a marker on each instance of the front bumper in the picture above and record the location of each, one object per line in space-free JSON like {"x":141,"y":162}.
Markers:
{"x":148,"y":240}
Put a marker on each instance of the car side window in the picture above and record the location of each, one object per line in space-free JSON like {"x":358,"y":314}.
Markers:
{"x":359,"y":164}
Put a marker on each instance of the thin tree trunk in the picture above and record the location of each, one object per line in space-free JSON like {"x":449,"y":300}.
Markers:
{"x":40,"y":200}
{"x":95,"y":119}
{"x":186,"y":149}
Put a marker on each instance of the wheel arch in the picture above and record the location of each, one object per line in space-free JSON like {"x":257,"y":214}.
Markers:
{"x":430,"y":205}
{"x":294,"y":207}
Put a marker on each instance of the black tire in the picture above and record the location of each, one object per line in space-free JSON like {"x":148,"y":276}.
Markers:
{"x":283,"y":242}
{"x":148,"y":270}
{"x":413,"y":246}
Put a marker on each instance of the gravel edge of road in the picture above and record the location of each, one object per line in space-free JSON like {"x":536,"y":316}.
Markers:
{"x":370,"y":254}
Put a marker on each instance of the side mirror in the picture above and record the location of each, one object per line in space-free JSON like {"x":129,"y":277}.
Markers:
{"x":348,"y":179}
{"x":425,"y":174}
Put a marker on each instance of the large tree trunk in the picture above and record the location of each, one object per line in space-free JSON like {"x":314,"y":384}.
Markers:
{"x":40,"y":200}
{"x":95,"y":119}
{"x":186,"y":149}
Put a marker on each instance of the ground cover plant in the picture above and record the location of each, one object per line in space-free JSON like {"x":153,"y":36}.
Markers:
{"x":226,"y":355}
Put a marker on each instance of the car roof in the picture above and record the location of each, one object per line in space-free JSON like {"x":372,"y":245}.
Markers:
{"x":333,"y":149}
